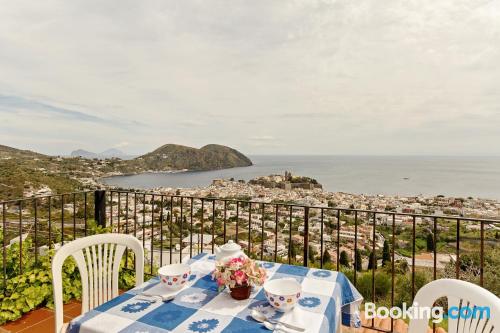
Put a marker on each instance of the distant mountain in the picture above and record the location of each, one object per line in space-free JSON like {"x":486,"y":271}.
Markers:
{"x":113,"y":152}
{"x":24,"y":172}
{"x":166,"y":158}
{"x":83,"y":153}
{"x":177,"y":157}
{"x":109,"y":153}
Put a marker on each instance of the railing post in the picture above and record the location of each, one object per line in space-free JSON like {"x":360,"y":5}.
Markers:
{"x":100,"y":207}
{"x":306,"y":236}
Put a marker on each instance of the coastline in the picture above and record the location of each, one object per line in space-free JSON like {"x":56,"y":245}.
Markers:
{"x":121,"y":174}
{"x":404,"y":196}
{"x":417,"y":204}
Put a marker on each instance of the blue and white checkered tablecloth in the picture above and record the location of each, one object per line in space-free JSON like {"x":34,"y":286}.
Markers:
{"x":328,"y":298}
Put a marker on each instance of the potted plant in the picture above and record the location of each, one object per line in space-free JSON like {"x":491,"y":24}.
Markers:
{"x":239,"y":275}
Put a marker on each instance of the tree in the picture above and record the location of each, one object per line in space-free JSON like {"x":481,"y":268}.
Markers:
{"x":386,"y":254}
{"x":430,"y":242}
{"x":358,"y":261}
{"x":401,"y":267}
{"x":293,"y":251}
{"x":326,"y":257}
{"x":344,"y":259}
{"x":382,"y":285}
{"x":372,"y":262}
{"x":311,"y":254}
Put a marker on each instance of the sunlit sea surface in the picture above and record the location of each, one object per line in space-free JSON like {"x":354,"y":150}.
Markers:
{"x":403,"y":175}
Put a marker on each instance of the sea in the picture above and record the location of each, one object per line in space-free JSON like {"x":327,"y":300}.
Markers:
{"x":477,"y":177}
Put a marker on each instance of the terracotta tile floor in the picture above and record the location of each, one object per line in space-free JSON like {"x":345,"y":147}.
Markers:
{"x":399,"y":326}
{"x":41,"y":320}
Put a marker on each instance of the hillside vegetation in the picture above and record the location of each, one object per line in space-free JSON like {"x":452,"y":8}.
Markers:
{"x":177,"y":157}
{"x":24,"y":172}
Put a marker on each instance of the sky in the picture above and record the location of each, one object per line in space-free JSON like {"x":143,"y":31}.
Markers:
{"x":264,"y":76}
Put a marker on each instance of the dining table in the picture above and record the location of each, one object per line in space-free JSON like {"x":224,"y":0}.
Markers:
{"x":328,"y":300}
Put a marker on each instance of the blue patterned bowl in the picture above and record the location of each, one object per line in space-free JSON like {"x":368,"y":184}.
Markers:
{"x":282,"y":294}
{"x":175,"y":276}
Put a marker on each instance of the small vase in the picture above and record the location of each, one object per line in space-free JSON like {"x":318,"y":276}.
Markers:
{"x":241,"y":292}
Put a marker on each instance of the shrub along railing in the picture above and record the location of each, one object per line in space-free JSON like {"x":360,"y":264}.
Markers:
{"x":387,"y":255}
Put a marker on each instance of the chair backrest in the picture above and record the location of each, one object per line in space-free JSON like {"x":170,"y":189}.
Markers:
{"x":461,"y":295}
{"x":98,"y":258}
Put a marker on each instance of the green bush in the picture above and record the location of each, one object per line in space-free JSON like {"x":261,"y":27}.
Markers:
{"x":403,"y":286}
{"x":32,"y":288}
{"x":382,"y":285}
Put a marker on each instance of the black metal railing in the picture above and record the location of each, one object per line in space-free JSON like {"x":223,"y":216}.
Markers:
{"x":172,"y":227}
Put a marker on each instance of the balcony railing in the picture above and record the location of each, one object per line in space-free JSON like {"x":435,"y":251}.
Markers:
{"x":172,"y":227}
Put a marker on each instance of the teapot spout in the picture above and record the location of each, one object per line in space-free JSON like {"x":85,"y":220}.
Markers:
{"x":217,"y":249}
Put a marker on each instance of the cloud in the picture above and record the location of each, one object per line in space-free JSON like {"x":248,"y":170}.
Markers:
{"x":310,"y":115}
{"x":122,"y":144}
{"x":264,"y":142}
{"x":319,"y":77}
{"x":190,"y":123}
{"x":14,"y":104}
{"x":17,"y":104}
{"x":262,"y":138}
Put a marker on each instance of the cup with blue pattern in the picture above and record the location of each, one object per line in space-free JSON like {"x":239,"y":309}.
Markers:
{"x":174,"y":276}
{"x":282,"y":294}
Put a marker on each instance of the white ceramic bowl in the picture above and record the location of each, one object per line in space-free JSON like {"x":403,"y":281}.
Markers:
{"x":174,"y":276}
{"x":282,"y":294}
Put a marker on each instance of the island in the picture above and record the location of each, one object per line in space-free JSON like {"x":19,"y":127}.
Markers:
{"x":286,"y":182}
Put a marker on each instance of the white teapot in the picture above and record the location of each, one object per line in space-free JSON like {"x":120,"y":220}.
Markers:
{"x":228,"y":251}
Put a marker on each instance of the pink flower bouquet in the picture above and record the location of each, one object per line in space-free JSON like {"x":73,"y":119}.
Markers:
{"x":239,"y":272}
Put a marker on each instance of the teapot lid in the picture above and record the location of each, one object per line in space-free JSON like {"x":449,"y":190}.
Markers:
{"x":231,"y":246}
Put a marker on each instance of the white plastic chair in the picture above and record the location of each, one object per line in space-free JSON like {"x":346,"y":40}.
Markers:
{"x":461,"y":294}
{"x":98,"y":258}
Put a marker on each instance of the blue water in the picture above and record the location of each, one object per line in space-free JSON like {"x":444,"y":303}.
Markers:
{"x":450,"y":176}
